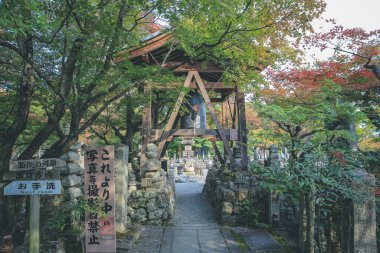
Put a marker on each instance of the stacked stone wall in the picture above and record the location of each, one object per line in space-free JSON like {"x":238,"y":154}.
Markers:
{"x":72,"y":173}
{"x":230,"y":190}
{"x":154,"y":203}
{"x":151,"y":206}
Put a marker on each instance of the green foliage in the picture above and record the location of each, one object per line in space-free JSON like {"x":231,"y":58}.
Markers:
{"x":202,"y":143}
{"x":329,"y":174}
{"x":248,"y":215}
{"x":175,"y":147}
{"x":240,"y":240}
{"x":316,"y":130}
{"x":241,"y":35}
{"x":67,"y":217}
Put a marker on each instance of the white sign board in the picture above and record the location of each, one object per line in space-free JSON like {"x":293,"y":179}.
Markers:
{"x":35,"y":164}
{"x":33,"y":187}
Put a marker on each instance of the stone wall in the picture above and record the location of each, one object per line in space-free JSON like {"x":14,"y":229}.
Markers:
{"x":151,"y":206}
{"x":121,"y":188}
{"x":230,"y":191}
{"x":151,"y":203}
{"x":72,"y":173}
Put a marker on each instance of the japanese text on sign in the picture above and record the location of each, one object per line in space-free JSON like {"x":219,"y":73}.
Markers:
{"x":32,"y":175}
{"x":38,"y":187}
{"x":100,"y":184}
{"x":35,"y":164}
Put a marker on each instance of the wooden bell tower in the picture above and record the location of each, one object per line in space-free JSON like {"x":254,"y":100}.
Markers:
{"x":204,"y":78}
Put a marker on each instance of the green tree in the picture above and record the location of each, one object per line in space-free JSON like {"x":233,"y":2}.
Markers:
{"x":65,"y":52}
{"x":318,"y":138}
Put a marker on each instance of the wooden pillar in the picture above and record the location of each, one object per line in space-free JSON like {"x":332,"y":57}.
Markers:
{"x":146,"y":124}
{"x":226,"y":113}
{"x":242,"y":127}
{"x":155,"y":107}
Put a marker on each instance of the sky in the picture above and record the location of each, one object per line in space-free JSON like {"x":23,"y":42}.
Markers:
{"x":348,"y":13}
{"x":354,"y":13}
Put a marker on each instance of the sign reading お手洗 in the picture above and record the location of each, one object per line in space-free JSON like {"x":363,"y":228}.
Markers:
{"x":33,"y":187}
{"x":99,"y":183}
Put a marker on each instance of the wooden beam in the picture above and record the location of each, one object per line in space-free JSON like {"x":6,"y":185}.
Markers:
{"x":216,"y":86}
{"x":217,"y":152}
{"x":169,"y":140}
{"x":200,"y":67}
{"x":155,"y":108}
{"x":151,"y":45}
{"x":242,"y":128}
{"x":156,"y":133}
{"x":206,"y":98}
{"x":196,"y":132}
{"x":216,"y":100}
{"x":173,"y":116}
{"x":224,"y":114}
{"x":146,"y":125}
{"x":231,"y":134}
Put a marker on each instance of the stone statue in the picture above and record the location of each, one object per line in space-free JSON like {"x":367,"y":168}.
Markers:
{"x":136,"y":168}
{"x":152,"y":167}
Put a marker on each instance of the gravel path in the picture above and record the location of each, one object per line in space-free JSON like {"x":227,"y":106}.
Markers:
{"x":149,"y":240}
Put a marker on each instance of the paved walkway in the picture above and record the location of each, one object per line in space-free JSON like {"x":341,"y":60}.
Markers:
{"x":192,"y":206}
{"x":194,"y":229}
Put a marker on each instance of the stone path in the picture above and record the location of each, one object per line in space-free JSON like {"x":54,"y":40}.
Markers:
{"x":194,"y":228}
{"x":191,"y":205}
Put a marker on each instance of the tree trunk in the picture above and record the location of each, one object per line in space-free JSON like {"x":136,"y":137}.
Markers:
{"x":301,"y":224}
{"x":346,"y":227}
{"x":329,"y":233}
{"x":60,"y":147}
{"x":310,"y":215}
{"x":129,"y":126}
{"x":9,"y":137}
{"x":11,"y":210}
{"x":59,"y":107}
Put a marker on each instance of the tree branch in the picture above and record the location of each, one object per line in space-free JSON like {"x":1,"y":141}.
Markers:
{"x":348,"y":52}
{"x":71,"y":8}
{"x":115,"y":129}
{"x":91,"y":120}
{"x":309,"y":133}
{"x":136,"y":20}
{"x":30,"y":62}
{"x":100,"y":136}
{"x":228,"y":31}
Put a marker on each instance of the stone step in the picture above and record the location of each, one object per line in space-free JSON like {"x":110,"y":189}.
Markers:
{"x":194,"y":226}
{"x":260,"y":241}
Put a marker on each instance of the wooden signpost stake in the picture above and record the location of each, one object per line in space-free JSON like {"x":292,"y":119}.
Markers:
{"x":34,"y":188}
{"x":34,"y":224}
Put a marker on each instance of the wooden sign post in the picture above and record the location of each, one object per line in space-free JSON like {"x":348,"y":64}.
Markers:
{"x":34,"y":224}
{"x":34,"y":188}
{"x":99,"y":183}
